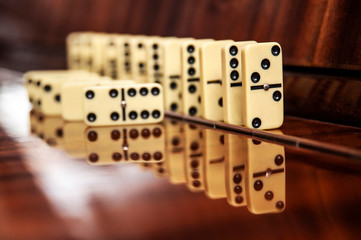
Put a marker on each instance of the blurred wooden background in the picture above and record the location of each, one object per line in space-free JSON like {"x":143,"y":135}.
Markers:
{"x":313,"y":33}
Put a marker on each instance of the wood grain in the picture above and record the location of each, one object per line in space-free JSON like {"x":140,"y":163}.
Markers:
{"x":313,"y":33}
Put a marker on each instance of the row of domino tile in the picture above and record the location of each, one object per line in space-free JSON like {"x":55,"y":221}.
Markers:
{"x":240,"y":83}
{"x":245,"y":171}
{"x":236,"y":82}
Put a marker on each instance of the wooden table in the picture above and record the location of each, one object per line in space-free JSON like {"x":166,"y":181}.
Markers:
{"x":49,"y":189}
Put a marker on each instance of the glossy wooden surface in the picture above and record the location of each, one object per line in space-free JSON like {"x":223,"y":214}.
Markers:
{"x":313,"y":33}
{"x":47,"y":194}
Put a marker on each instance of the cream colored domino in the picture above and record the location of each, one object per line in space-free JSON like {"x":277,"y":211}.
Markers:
{"x":73,"y":135}
{"x":31,"y":79}
{"x":236,"y":154}
{"x":111,"y":145}
{"x":111,"y":56}
{"x":172,"y":69}
{"x":49,"y":91}
{"x":190,"y":75}
{"x":263,"y":85}
{"x":175,"y":151}
{"x":211,"y":79}
{"x":154,"y":59}
{"x":193,"y":160}
{"x":51,"y":130}
{"x":99,"y":41}
{"x":126,"y":59}
{"x":73,"y":96}
{"x":214,"y":163}
{"x":123,"y":105}
{"x":85,"y":50}
{"x":73,"y":50}
{"x":232,"y":82}
{"x":138,"y":58}
{"x":266,"y":177}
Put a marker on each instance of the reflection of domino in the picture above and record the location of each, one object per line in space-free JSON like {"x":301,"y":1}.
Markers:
{"x":214,"y":163}
{"x":123,"y":105}
{"x":266,"y":177}
{"x":194,"y":157}
{"x":175,"y":151}
{"x":73,"y":134}
{"x":111,"y":145}
{"x":51,"y":130}
{"x":235,"y":169}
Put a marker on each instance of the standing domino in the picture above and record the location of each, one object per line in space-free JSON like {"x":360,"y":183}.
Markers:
{"x":123,"y":105}
{"x":190,"y":75}
{"x":138,"y":62}
{"x":266,"y":177}
{"x":263,"y":85}
{"x":233,"y":82}
{"x":211,"y":79}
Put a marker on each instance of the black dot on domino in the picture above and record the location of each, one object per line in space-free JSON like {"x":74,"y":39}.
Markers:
{"x":91,"y":117}
{"x":275,"y":50}
{"x":237,"y":178}
{"x":192,"y":88}
{"x":132,"y":92}
{"x":195,"y":175}
{"x":146,"y":156}
{"x":140,"y":45}
{"x":47,"y":88}
{"x":157,"y":132}
{"x":233,"y":63}
{"x":115,"y":134}
{"x":157,"y":156}
{"x":279,"y":160}
{"x":199,"y":99}
{"x":280,"y":205}
{"x":238,"y":199}
{"x":255,"y":77}
{"x":234,"y":75}
{"x":191,"y":60}
{"x":156,"y":67}
{"x":277,"y":95}
{"x":92,"y":136}
{"x":190,"y":48}
{"x":59,"y":132}
{"x":134,"y":156}
{"x":133,"y":115}
{"x":145,"y":133}
{"x":141,"y":65}
{"x":258,"y":185}
{"x":93,"y":157}
{"x":238,"y":189}
{"x":113,"y":93}
{"x":256,"y":122}
{"x":39,"y":103}
{"x":174,"y":106}
{"x":38,"y":83}
{"x":133,"y":134}
{"x":155,"y":56}
{"x":192,"y":111}
{"x":191,"y":71}
{"x":114,"y":116}
{"x":155,"y":46}
{"x":156,"y":114}
{"x":233,"y":50}
{"x":89,"y":94}
{"x":268,"y":195}
{"x":265,"y":64}
{"x":144,"y":114}
{"x":173,"y":85}
{"x":57,"y":98}
{"x":117,"y":156}
{"x":143,"y":91}
{"x":155,"y":91}
{"x":196,"y":183}
{"x":220,"y":102}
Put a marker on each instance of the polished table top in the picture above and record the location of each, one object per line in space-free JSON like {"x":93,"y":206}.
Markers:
{"x":62,"y":180}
